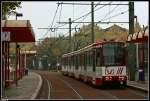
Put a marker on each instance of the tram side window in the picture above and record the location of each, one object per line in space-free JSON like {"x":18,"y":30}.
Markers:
{"x":79,"y":58}
{"x":88,"y":57}
{"x":76,"y":62}
{"x":72,"y":60}
{"x":98,"y":57}
{"x":69,"y":62}
{"x":65,"y":62}
{"x":85,"y":61}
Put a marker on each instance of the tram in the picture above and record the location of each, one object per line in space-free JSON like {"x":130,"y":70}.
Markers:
{"x":99,"y":63}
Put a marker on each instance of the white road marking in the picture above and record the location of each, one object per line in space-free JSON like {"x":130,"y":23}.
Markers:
{"x":49,"y":89}
{"x":72,"y":88}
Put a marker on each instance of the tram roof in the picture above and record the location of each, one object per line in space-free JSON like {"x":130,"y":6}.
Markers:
{"x":94,"y":45}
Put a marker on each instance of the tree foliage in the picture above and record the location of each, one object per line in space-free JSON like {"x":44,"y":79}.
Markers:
{"x":8,"y":8}
{"x":54,"y":47}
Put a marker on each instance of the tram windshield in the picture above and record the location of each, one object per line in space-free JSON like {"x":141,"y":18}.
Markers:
{"x":114,"y":54}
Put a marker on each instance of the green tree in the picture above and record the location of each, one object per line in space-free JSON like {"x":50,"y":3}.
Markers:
{"x":8,"y":8}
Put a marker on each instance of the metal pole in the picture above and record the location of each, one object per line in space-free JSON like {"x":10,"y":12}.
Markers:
{"x":19,"y":61}
{"x":131,"y":17}
{"x":131,"y":45}
{"x":3,"y":63}
{"x":92,"y":21}
{"x":8,"y":61}
{"x":70,"y":34}
{"x":137,"y":57}
{"x":16,"y":63}
{"x":92,"y":32}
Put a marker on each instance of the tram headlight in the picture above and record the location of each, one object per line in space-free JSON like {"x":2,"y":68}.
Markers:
{"x":108,"y":78}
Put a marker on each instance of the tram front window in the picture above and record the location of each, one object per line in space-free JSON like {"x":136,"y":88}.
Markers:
{"x":114,"y":54}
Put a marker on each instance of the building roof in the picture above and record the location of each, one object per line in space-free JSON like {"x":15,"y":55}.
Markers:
{"x":140,"y":37}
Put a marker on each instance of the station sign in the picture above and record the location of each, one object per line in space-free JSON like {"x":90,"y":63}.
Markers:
{"x":5,"y":36}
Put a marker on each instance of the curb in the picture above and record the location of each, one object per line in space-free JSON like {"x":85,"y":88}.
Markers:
{"x":38,"y":87}
{"x":138,"y":88}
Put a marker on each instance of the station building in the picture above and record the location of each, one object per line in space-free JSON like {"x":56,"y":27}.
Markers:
{"x":14,"y":31}
{"x":138,"y":60}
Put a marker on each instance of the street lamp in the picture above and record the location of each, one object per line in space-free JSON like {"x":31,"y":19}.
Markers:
{"x":18,"y":14}
{"x":17,"y":47}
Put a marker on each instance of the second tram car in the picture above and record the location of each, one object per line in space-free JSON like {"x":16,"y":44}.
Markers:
{"x":99,"y":63}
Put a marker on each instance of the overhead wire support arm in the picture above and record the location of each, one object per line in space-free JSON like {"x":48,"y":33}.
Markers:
{"x":94,"y":22}
{"x":58,"y":28}
{"x":89,"y":4}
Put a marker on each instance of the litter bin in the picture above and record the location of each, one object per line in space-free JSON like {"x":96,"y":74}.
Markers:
{"x":141,"y":74}
{"x":26,"y":71}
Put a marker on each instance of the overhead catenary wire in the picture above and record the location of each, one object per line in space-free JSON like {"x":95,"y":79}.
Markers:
{"x":97,"y":4}
{"x":52,"y":21}
{"x":112,"y":16}
{"x":115,"y":15}
{"x":85,"y":15}
{"x":110,"y":12}
{"x":89,"y":13}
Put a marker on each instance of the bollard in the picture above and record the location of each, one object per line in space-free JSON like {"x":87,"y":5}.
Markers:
{"x":141,"y":74}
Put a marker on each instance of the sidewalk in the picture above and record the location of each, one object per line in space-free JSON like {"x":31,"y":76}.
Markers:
{"x":27,"y":88}
{"x":143,"y":86}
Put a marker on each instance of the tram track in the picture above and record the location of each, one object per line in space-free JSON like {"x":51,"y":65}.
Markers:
{"x":60,"y":87}
{"x":43,"y":91}
{"x":63,"y":87}
{"x":49,"y":89}
{"x":90,"y":88}
{"x":116,"y":93}
{"x":80,"y":97}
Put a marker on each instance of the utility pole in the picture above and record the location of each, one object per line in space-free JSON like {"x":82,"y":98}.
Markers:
{"x":131,"y":46}
{"x":131,"y":17}
{"x":69,"y":34}
{"x":92,"y":21}
{"x":92,"y":32}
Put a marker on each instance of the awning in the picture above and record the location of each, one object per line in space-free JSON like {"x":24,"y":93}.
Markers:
{"x":140,"y":37}
{"x":29,"y":52}
{"x":20,"y":30}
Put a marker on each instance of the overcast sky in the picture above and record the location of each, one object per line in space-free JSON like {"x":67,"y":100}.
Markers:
{"x":41,"y":15}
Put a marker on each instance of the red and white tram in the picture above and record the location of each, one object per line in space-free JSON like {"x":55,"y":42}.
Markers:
{"x":99,"y":63}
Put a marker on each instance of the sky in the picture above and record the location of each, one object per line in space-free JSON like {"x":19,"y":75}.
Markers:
{"x":41,"y":15}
